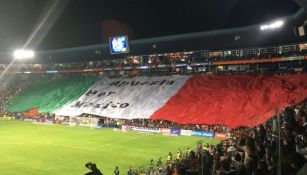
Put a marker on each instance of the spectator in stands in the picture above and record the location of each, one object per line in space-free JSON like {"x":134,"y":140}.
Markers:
{"x":301,"y":145}
{"x":188,"y":152}
{"x":130,"y":171}
{"x":159,"y":163}
{"x":151,"y":165}
{"x":169,"y":157}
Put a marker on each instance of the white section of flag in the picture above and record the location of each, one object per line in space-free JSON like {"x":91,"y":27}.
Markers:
{"x":127,"y":98}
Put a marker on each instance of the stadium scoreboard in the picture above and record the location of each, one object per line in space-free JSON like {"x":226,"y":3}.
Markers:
{"x":119,"y":44}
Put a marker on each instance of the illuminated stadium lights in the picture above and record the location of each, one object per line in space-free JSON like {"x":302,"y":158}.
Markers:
{"x":274,"y":25}
{"x":22,"y":54}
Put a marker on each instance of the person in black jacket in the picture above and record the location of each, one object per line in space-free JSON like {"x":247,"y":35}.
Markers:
{"x":93,"y":168}
{"x":116,"y":171}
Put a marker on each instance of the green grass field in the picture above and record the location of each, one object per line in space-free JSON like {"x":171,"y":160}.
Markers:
{"x":31,"y":149}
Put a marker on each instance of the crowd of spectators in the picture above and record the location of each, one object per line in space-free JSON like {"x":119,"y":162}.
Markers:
{"x":277,"y":146}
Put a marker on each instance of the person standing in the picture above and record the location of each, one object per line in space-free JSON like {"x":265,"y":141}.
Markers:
{"x":159,"y":163}
{"x":178,"y":155}
{"x":170,"y":157}
{"x":130,"y":171}
{"x":116,"y":171}
{"x":151,"y":165}
{"x":188,"y":152}
{"x":93,"y":168}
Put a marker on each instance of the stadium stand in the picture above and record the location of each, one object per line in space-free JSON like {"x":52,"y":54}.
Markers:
{"x":265,"y":149}
{"x":281,"y":59}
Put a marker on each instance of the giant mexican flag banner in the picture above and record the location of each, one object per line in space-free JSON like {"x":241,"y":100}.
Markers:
{"x":236,"y":100}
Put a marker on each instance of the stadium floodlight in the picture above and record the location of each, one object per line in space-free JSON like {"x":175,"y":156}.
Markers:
{"x":274,"y":25}
{"x":23,"y":54}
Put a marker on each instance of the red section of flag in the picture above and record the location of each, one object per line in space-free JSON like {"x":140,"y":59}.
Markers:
{"x":235,"y":100}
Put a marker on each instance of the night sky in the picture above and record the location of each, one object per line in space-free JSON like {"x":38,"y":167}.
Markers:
{"x":80,"y":22}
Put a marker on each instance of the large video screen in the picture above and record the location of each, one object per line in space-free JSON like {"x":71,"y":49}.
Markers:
{"x":119,"y":44}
